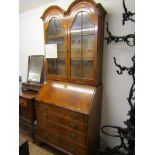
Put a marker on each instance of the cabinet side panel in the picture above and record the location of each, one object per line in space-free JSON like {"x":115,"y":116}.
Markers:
{"x":100,"y":42}
{"x":94,"y":120}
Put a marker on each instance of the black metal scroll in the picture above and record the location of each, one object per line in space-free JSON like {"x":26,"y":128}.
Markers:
{"x":128,"y":39}
{"x":126,"y":134}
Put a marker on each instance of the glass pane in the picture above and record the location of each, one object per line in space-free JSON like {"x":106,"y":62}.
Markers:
{"x":52,"y":65}
{"x":76,"y":67}
{"x":87,"y":68}
{"x":76,"y":27}
{"x":88,"y":46}
{"x":76,"y":56}
{"x":87,"y":56}
{"x":87,"y":26}
{"x":54,"y":29}
{"x":82,"y":46}
{"x":56,"y":58}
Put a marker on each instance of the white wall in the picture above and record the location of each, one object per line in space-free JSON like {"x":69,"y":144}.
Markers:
{"x":116,"y":87}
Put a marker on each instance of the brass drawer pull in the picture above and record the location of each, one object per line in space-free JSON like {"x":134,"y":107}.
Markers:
{"x":73,"y":124}
{"x":72,"y":135}
{"x":73,"y":115}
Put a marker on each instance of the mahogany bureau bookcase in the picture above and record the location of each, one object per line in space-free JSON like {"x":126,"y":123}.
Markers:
{"x":68,"y":106}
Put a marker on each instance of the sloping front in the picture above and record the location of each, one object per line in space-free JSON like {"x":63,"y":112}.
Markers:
{"x":74,"y":97}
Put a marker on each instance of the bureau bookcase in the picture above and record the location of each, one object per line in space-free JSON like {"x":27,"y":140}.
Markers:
{"x":68,"y":106}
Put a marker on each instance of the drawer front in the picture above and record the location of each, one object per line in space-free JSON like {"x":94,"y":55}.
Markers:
{"x":73,"y":148}
{"x":64,"y":112}
{"x":61,"y":142}
{"x":60,"y":120}
{"x":48,"y":136}
{"x":23,"y":109}
{"x":62,"y":131}
{"x":26,"y":110}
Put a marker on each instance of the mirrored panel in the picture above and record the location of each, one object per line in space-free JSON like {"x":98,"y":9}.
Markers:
{"x":35,"y":68}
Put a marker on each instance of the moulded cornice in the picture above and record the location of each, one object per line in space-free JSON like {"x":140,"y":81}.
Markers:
{"x":98,"y":7}
{"x":54,"y":7}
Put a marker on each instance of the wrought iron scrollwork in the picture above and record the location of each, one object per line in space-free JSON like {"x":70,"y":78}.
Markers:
{"x":126,"y":134}
{"x":128,"y":39}
{"x":127,"y":15}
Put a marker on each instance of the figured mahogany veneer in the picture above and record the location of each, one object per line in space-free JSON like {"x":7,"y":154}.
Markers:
{"x":68,"y":116}
{"x":77,"y":53}
{"x":68,"y":106}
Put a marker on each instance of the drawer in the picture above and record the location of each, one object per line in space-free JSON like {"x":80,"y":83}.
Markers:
{"x":73,"y":148}
{"x":48,"y":136}
{"x":64,"y":112}
{"x":27,"y":110}
{"x":22,"y":102}
{"x":58,"y":119}
{"x":62,"y":131}
{"x":61,"y":142}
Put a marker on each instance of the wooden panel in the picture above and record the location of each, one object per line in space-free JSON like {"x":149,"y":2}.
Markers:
{"x":51,"y":138}
{"x":22,"y":102}
{"x":44,"y":107}
{"x":78,"y":126}
{"x":94,"y":121}
{"x":73,"y":96}
{"x":61,"y":142}
{"x":71,"y":135}
{"x":27,"y":94}
{"x":73,"y":148}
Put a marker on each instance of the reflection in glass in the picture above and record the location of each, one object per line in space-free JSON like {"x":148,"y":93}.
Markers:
{"x":35,"y":68}
{"x":54,"y":29}
{"x":55,"y":53}
{"x":82,"y":46}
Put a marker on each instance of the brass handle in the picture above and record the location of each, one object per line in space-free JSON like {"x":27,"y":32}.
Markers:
{"x":73,"y":115}
{"x":72,"y":135}
{"x":73,"y":124}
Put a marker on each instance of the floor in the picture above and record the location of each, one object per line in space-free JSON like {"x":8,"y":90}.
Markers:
{"x":40,"y":150}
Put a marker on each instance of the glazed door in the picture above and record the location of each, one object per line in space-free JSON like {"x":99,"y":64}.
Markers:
{"x":82,"y":47}
{"x":55,"y":47}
